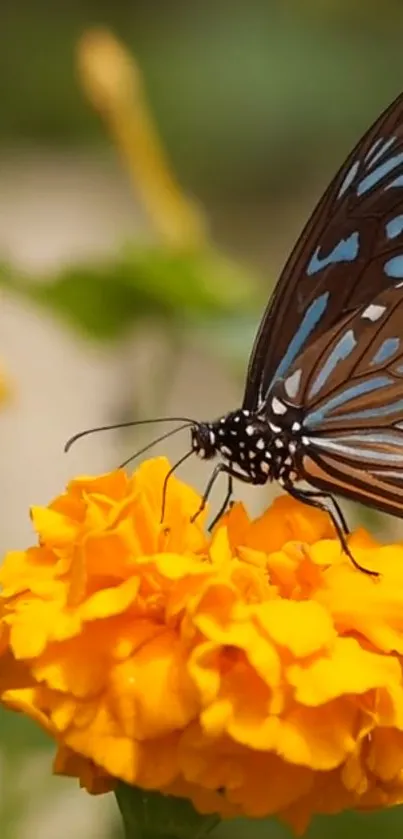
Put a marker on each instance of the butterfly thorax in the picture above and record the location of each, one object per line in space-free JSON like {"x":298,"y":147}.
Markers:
{"x":261,"y":449}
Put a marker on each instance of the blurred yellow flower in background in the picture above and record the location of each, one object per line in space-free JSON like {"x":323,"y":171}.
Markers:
{"x":253,"y":671}
{"x":112,"y":81}
{"x":6,"y":388}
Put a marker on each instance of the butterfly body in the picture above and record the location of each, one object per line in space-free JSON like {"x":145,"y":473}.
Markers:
{"x":253,"y":446}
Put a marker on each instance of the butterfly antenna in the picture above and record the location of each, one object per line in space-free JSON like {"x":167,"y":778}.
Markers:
{"x":154,"y":443}
{"x":131,"y":424}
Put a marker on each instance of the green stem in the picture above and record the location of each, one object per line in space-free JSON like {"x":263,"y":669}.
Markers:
{"x":151,"y":815}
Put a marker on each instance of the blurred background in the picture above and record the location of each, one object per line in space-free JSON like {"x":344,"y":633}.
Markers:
{"x":148,"y":199}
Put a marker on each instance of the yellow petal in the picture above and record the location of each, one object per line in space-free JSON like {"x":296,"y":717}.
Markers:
{"x":346,"y":669}
{"x":302,"y":627}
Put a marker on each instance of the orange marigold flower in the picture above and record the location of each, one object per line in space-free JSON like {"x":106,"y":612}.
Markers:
{"x":254,"y":671}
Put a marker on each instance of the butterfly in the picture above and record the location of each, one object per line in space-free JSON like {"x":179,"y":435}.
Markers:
{"x":323,"y":399}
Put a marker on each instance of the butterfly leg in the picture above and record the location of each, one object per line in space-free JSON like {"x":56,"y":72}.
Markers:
{"x":314,"y":499}
{"x":310,"y":493}
{"x":232,"y":473}
{"x":225,"y":504}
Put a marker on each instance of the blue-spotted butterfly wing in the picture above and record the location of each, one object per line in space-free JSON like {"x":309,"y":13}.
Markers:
{"x":350,"y":250}
{"x":349,"y":387}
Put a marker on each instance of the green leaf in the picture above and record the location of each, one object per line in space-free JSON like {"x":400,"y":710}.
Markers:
{"x":194,"y":284}
{"x":19,"y":735}
{"x":151,"y":815}
{"x":105,"y":300}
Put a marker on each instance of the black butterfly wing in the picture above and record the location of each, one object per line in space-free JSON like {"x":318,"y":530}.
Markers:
{"x":349,"y":387}
{"x":338,"y":262}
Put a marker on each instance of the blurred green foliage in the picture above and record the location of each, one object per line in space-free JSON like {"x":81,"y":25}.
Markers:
{"x":19,"y":737}
{"x":199,"y":296}
{"x":348,"y":826}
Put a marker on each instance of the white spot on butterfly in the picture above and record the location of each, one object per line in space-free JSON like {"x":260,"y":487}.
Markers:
{"x":212,"y":438}
{"x":252,"y":454}
{"x":275,"y":428}
{"x":250,"y":430}
{"x":277,"y":406}
{"x":237,"y":419}
{"x":373,"y":312}
{"x":378,"y":149}
{"x":202,"y":453}
{"x":292,"y":448}
{"x":226,"y":451}
{"x":291,"y":384}
{"x":348,"y":178}
{"x":260,"y":443}
{"x":296,"y":426}
{"x":279,"y":444}
{"x":264,"y":467}
{"x":305,"y":441}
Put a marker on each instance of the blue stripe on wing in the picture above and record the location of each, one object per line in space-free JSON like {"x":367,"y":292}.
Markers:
{"x":394,"y":267}
{"x":396,"y":182}
{"x":388,"y":349}
{"x":394,"y":227}
{"x":379,"y":173}
{"x":320,"y":415}
{"x":311,"y":318}
{"x":367,"y":446}
{"x":340,"y":352}
{"x":345,"y":251}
